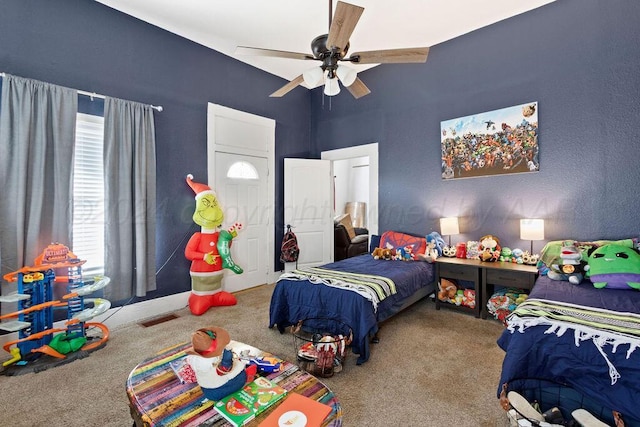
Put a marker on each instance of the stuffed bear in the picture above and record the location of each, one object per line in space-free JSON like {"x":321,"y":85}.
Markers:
{"x":447,"y":290}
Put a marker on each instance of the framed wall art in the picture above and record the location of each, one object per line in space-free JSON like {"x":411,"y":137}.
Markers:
{"x":492,"y":143}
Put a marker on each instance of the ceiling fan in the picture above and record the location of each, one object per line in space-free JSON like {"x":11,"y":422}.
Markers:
{"x":331,"y":48}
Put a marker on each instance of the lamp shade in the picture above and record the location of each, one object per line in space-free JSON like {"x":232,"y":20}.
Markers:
{"x":346,"y":75}
{"x":532,"y":229}
{"x":331,"y":87}
{"x":313,"y":76}
{"x":449,"y":226}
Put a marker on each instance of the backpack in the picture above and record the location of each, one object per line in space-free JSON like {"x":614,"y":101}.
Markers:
{"x":289,"y":250}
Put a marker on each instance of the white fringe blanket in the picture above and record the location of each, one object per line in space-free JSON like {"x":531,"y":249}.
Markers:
{"x":602,"y":327}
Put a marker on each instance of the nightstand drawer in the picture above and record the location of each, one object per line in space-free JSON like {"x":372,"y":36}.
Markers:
{"x":460,"y":272}
{"x":516,"y":279}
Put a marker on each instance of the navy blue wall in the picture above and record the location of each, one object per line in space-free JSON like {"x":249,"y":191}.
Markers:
{"x":580,"y":59}
{"x":85,"y":45}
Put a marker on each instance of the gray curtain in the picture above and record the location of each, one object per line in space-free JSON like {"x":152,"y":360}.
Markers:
{"x":130,"y":198}
{"x":37,"y":137}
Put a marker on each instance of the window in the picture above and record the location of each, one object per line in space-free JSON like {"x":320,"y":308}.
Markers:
{"x":242,"y":170}
{"x":88,"y":194}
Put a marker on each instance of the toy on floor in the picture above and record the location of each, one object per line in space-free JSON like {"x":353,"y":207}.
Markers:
{"x":209,"y":251}
{"x":217,"y":371}
{"x":36,"y":304}
{"x":504,"y":301}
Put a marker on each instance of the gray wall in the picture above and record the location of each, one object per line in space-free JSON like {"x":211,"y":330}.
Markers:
{"x":580,"y":59}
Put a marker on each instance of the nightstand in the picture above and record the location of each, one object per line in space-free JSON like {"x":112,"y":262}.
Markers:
{"x":460,"y":269}
{"x":505,"y":274}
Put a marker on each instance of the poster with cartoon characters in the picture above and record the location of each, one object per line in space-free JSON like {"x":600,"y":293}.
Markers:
{"x":492,"y":143}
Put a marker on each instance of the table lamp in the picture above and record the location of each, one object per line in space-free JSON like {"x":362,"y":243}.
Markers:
{"x":449,"y":226}
{"x":532,"y":229}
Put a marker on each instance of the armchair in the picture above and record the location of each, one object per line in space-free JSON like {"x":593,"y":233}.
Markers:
{"x":345,"y":246}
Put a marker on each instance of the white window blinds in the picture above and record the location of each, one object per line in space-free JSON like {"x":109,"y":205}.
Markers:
{"x":88,"y":194}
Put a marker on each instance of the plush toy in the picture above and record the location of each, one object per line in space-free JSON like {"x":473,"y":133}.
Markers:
{"x":447,"y":290}
{"x":504,"y":301}
{"x":489,"y":248}
{"x":472,"y":249}
{"x":530,"y":259}
{"x":431,"y":253}
{"x":384,"y":253}
{"x":218,"y":372}
{"x":459,"y":297}
{"x":570,"y":267}
{"x":209,"y":252}
{"x":461,"y":250}
{"x":505,"y":254}
{"x":614,"y":266}
{"x":517,"y":256}
{"x":405,"y":254}
{"x":437,"y":241}
{"x":449,"y":251}
{"x":469,"y":298}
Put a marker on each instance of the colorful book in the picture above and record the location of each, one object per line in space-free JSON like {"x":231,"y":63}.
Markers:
{"x":245,"y":404}
{"x":297,"y":410}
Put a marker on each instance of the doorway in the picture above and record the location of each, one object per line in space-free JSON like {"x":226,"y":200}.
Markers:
{"x":241,"y":187}
{"x":357,"y":169}
{"x":247,"y":141}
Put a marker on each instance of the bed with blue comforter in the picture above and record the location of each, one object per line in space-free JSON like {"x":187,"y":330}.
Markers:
{"x":584,"y":338}
{"x":319,"y":293}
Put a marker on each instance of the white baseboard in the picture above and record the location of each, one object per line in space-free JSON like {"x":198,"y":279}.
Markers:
{"x":128,"y":314}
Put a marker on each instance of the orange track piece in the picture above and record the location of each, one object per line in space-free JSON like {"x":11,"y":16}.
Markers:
{"x":50,"y":351}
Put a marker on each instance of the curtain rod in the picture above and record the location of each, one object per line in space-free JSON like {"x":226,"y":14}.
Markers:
{"x":96,"y":95}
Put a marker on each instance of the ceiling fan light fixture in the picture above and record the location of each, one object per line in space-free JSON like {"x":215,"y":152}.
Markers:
{"x":313,"y":77}
{"x":331,"y":87}
{"x":346,"y":75}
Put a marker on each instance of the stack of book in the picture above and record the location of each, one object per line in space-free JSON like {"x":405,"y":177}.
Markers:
{"x":244,"y":405}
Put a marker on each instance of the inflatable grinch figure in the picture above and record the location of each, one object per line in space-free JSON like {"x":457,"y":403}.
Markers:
{"x":209,"y":252}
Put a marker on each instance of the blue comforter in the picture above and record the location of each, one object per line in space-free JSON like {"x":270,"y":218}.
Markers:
{"x":295,"y":300}
{"x":541,"y":352}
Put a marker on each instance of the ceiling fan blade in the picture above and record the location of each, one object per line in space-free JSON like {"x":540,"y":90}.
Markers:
{"x":244,"y":50}
{"x":397,"y":56}
{"x":358,"y":89}
{"x":343,"y":23}
{"x":287,"y":88}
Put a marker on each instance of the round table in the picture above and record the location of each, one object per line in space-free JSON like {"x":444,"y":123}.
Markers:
{"x":157,"y":397}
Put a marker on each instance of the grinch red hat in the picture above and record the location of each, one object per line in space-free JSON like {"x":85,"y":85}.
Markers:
{"x":199,"y":188}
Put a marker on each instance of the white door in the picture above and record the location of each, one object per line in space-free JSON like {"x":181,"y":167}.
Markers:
{"x":308,"y":208}
{"x":241,"y":188}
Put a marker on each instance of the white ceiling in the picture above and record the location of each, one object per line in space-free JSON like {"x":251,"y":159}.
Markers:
{"x":290,"y":25}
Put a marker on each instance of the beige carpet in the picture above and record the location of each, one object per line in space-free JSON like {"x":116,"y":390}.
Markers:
{"x":431,"y":368}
